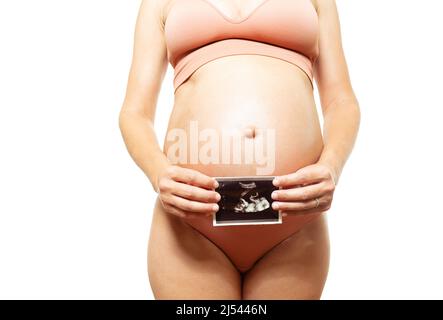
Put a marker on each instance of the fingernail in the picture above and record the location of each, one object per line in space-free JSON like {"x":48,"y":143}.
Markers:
{"x":275,"y":206}
{"x":275,"y":182}
{"x":216,"y":184}
{"x":215,"y":207}
{"x":274,"y":195}
{"x":218,"y":197}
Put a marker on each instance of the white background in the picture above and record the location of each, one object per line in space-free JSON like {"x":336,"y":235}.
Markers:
{"x":75,"y":210}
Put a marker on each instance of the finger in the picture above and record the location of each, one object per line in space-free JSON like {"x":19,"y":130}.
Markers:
{"x":181,"y":213}
{"x":192,"y":177}
{"x":301,"y":193}
{"x":304,"y":212}
{"x":193,"y":206}
{"x":194,"y":193}
{"x":299,"y":205}
{"x":175,"y":211}
{"x":305,"y":175}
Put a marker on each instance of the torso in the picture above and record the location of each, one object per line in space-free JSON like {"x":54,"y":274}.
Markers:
{"x":252,"y":91}
{"x":244,"y":91}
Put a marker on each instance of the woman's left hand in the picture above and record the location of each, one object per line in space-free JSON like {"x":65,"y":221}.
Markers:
{"x":308,"y":190}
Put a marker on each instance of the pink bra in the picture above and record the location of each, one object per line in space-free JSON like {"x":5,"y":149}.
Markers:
{"x":196,"y":32}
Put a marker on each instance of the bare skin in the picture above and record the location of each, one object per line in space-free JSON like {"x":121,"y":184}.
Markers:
{"x":182,"y":263}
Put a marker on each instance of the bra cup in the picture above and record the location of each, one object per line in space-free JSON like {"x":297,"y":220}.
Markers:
{"x":289,"y":24}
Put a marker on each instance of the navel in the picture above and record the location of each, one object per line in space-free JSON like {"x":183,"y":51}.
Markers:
{"x":250,"y":131}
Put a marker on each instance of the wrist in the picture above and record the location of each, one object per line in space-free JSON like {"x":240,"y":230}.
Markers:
{"x":160,"y":169}
{"x":333,"y":167}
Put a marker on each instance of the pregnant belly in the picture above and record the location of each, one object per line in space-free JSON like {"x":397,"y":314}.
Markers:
{"x":244,"y":115}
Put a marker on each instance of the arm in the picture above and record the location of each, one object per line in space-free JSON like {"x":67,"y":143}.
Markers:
{"x":340,"y":107}
{"x":341,"y":115}
{"x":183,"y":192}
{"x":148,"y":68}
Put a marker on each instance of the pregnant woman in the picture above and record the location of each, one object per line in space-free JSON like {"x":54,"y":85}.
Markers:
{"x":244,"y":66}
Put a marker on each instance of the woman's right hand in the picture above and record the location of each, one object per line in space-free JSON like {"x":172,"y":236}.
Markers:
{"x":187,"y":193}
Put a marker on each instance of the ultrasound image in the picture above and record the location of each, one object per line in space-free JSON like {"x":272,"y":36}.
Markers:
{"x":246,"y":200}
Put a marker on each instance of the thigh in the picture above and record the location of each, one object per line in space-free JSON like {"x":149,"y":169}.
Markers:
{"x":183,"y":264}
{"x":296,"y":268}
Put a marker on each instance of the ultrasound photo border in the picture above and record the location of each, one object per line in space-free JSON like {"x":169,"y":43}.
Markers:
{"x":216,"y":223}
